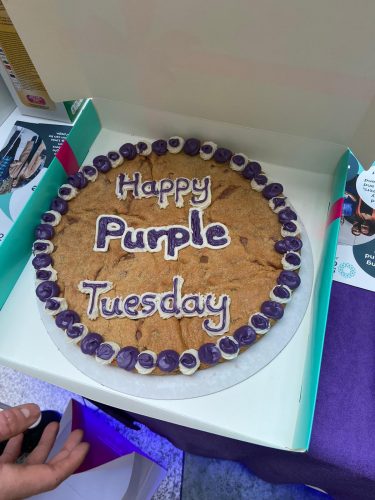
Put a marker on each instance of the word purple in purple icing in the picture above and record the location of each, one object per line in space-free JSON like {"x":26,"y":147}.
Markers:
{"x":162,"y":189}
{"x":108,"y":227}
{"x":168,"y":304}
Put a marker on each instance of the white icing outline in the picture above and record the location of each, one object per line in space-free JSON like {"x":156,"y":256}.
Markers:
{"x":208,"y":156}
{"x":177,"y":149}
{"x":57,"y":216}
{"x":163,"y":238}
{"x":145,"y":371}
{"x":94,"y":303}
{"x":209,"y":306}
{"x":164,"y":188}
{"x":111,"y":227}
{"x":226,"y":355}
{"x":49,"y":249}
{"x":73,"y":193}
{"x":279,"y":299}
{"x":70,"y":340}
{"x":189,"y":371}
{"x":63,"y":306}
{"x":116,"y":349}
{"x":238,"y":168}
{"x":286,"y":265}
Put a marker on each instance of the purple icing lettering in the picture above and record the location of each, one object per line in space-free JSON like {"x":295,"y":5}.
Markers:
{"x":124,"y":184}
{"x":196,"y":225}
{"x":192,"y":305}
{"x":148,"y":189}
{"x":108,"y":227}
{"x":130,"y":303}
{"x":182,"y":187}
{"x":216,"y":235}
{"x":153,"y":237}
{"x":201,"y":190}
{"x":170,"y":301}
{"x":178,"y":237}
{"x":94,"y":289}
{"x":149,"y":306}
{"x":128,"y":242}
{"x":110,"y":308}
{"x":166,"y":186}
{"x":221,"y":309}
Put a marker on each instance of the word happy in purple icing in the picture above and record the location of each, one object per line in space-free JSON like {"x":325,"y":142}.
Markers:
{"x":200,"y":189}
{"x":174,"y":238}
{"x":168,"y":304}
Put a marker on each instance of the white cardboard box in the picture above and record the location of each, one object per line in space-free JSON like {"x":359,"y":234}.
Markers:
{"x":281,"y":81}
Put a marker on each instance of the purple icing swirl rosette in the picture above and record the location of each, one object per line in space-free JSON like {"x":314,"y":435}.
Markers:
{"x":130,"y":358}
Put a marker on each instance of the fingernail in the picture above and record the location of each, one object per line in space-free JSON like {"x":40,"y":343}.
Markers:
{"x":26,"y":412}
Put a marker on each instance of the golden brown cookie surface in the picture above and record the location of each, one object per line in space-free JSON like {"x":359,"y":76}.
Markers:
{"x":246,"y":270}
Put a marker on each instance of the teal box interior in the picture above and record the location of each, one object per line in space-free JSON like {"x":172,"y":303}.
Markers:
{"x":15,"y":250}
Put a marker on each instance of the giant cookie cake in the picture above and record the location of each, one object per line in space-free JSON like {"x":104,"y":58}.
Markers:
{"x":168,"y":257}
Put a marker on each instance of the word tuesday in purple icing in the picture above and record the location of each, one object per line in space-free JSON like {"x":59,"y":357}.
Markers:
{"x":178,"y":188}
{"x":175,"y":237}
{"x":168,"y":304}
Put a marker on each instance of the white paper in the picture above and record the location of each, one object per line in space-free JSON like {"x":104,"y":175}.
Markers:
{"x":130,"y":477}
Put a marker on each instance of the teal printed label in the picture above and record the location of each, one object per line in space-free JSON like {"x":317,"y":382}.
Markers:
{"x":24,"y":159}
{"x":72,"y":107}
{"x":355,"y":256}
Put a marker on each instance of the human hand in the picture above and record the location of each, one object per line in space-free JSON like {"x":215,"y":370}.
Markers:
{"x":35,"y":475}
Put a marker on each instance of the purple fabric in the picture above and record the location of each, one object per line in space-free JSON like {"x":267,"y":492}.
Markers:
{"x":341,"y":458}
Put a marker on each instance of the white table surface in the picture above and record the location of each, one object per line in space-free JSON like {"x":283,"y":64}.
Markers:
{"x":262,"y":409}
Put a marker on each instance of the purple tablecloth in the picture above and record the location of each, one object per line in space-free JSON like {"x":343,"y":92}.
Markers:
{"x":341,"y":458}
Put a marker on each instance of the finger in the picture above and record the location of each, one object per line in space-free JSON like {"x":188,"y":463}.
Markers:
{"x":46,"y":442}
{"x":16,"y":420}
{"x":21,"y":481}
{"x":73,"y":440}
{"x":12,"y":450}
{"x":25,"y":481}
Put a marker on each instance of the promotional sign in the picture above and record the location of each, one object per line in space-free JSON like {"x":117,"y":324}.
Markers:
{"x":355,"y":256}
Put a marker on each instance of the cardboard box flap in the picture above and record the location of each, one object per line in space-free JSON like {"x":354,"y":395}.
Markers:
{"x":281,"y":66}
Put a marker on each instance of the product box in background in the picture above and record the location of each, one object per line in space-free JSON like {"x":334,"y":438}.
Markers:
{"x":23,"y":81}
{"x":355,"y":257}
{"x":113,"y":469}
{"x":25,"y":157}
{"x":6,"y":102}
{"x":294,"y":101}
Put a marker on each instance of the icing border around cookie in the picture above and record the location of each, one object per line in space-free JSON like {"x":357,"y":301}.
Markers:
{"x":227,"y":347}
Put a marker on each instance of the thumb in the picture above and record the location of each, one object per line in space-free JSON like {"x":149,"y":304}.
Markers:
{"x":15,"y":420}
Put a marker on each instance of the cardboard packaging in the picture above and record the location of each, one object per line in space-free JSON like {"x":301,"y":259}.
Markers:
{"x":6,"y":102}
{"x":114,"y":468}
{"x":281,"y":83}
{"x":26,"y":157}
{"x":23,"y":81}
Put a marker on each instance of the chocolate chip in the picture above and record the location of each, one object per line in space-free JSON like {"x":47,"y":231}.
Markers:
{"x":138,"y":335}
{"x":71,"y":220}
{"x":203,"y":259}
{"x":227,"y":192}
{"x":244,"y":241}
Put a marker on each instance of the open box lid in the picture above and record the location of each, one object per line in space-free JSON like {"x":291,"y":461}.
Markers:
{"x":297,"y":69}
